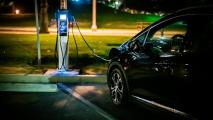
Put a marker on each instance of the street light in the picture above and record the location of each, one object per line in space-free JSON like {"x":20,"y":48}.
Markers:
{"x":94,"y":26}
{"x":117,"y":4}
{"x":17,"y":11}
{"x":38,"y":44}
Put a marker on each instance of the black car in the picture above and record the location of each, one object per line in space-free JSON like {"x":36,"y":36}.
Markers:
{"x":168,"y":65}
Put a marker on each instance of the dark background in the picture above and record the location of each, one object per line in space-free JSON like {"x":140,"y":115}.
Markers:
{"x":164,"y":5}
{"x":27,"y":6}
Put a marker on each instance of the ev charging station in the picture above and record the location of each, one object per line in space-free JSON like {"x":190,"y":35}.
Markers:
{"x":63,"y":39}
{"x":63,"y":36}
{"x":62,"y":42}
{"x":62,"y":46}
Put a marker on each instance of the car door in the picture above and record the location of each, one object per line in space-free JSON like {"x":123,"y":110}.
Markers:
{"x":156,"y":64}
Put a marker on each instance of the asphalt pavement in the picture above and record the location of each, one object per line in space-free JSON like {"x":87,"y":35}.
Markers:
{"x":36,"y":97}
{"x":98,"y":96}
{"x":44,"y":106}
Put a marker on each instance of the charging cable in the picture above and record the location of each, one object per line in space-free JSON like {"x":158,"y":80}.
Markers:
{"x":76,"y":45}
{"x":92,"y":51}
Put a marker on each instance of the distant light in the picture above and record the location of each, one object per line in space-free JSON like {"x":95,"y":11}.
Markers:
{"x":17,"y":11}
{"x":116,"y":2}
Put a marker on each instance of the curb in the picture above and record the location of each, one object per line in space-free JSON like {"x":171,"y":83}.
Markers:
{"x":39,"y":78}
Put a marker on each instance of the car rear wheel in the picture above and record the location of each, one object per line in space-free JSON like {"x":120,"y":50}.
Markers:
{"x":117,"y":87}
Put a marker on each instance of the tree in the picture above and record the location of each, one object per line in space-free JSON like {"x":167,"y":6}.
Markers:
{"x":44,"y":17}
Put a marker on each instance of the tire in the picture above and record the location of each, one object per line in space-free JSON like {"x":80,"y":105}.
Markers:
{"x":117,"y":87}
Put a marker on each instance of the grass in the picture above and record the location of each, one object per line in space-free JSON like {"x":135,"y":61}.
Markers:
{"x":20,"y":50}
{"x":106,"y":18}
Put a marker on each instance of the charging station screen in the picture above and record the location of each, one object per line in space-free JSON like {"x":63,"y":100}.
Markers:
{"x":63,"y":17}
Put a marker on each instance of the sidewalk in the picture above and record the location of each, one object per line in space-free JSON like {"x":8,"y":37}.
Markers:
{"x":103,"y":32}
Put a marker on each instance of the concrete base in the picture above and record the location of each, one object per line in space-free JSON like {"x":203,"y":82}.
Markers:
{"x":55,"y":72}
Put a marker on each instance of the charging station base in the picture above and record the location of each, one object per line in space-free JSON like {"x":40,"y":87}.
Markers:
{"x":60,"y":73}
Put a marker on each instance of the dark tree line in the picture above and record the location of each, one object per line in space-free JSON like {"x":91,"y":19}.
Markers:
{"x":164,"y":5}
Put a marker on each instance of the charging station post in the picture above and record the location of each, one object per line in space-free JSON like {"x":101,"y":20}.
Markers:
{"x":63,"y":36}
{"x":63,"y":40}
{"x":62,"y":43}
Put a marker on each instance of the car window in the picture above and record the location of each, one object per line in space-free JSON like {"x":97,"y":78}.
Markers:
{"x":136,"y":44}
{"x":169,"y":38}
{"x":142,"y":37}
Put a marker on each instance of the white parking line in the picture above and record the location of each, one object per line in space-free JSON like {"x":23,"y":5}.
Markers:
{"x":86,"y":102}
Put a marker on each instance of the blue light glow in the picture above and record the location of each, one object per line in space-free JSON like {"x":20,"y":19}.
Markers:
{"x":75,"y":0}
